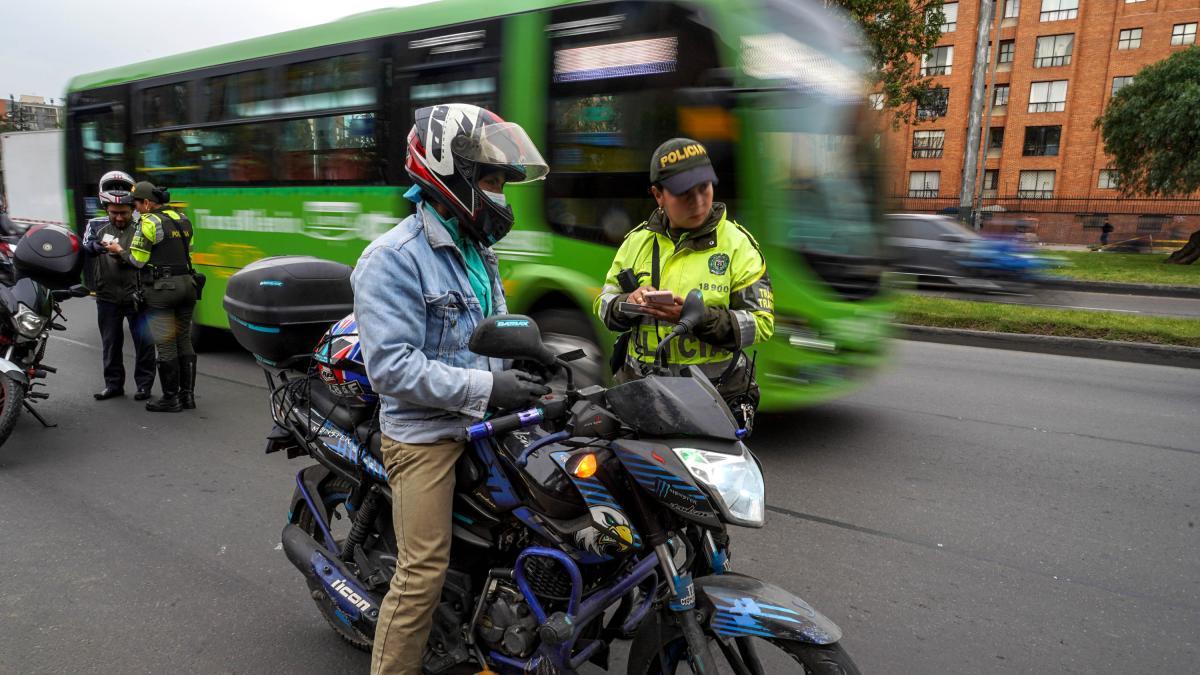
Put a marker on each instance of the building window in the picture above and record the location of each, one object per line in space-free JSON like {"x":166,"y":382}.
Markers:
{"x":875,"y":101}
{"x":1000,"y":96}
{"x":1012,"y":8}
{"x":1059,"y":10}
{"x":1042,"y":141}
{"x":928,"y":144}
{"x":1036,"y":185}
{"x":991,"y":178}
{"x":938,"y":61}
{"x":934,"y":103}
{"x":1130,"y":2}
{"x":1151,"y":224}
{"x":995,"y":138}
{"x":1183,"y":34}
{"x":1007,"y":49}
{"x":1053,"y":50}
{"x":924,"y":184}
{"x":950,"y":14}
{"x":1130,"y":38}
{"x":1048,"y":96}
{"x":1120,"y":82}
{"x":1108,"y":179}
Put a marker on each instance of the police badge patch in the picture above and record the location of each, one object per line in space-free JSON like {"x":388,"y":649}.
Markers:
{"x":718,"y":263}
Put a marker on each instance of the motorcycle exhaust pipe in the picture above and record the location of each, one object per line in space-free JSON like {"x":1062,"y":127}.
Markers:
{"x":329,"y":574}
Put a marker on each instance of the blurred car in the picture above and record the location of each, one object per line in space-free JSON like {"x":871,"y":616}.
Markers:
{"x":938,"y":250}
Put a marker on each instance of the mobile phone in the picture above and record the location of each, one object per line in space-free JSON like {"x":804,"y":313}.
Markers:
{"x":630,"y":308}
{"x":107,"y":239}
{"x":659,"y":297}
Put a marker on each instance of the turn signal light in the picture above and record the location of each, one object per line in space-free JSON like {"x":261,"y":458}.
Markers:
{"x":585,"y":467}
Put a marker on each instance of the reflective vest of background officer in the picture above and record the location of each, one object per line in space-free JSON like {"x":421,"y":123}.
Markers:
{"x":162,"y":249}
{"x":698,"y":247}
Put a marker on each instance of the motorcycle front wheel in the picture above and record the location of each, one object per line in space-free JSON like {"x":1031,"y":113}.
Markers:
{"x":12,"y":396}
{"x":765,"y":656}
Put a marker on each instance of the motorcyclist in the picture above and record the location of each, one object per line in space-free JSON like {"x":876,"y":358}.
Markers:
{"x":114,"y":277}
{"x":419,"y":291}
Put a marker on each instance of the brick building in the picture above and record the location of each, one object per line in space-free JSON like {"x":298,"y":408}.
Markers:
{"x":1058,"y":63}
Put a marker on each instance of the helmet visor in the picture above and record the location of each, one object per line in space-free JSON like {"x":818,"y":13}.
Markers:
{"x":506,"y":145}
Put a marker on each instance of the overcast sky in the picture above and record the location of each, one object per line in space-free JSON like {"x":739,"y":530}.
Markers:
{"x":44,"y":43}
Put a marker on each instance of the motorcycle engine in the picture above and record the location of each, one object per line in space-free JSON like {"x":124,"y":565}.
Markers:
{"x":507,"y":624}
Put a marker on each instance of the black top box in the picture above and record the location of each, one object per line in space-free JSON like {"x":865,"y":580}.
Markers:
{"x":50,"y":255}
{"x":280,"y":307}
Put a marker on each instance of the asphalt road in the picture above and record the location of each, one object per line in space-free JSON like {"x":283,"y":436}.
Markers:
{"x":968,"y":511}
{"x":1109,"y":302}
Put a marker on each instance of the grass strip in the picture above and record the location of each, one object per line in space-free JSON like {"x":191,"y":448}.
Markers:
{"x":1124,"y":268}
{"x":1007,"y":318}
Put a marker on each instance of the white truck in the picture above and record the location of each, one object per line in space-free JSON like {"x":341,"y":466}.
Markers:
{"x":34,"y":184}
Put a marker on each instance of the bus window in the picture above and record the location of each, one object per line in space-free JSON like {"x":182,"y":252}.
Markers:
{"x":614,"y":97}
{"x":328,"y":84}
{"x":165,"y":106}
{"x":237,"y":96}
{"x":328,"y":149}
{"x":97,"y":139}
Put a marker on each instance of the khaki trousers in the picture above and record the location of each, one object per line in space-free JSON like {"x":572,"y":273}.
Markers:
{"x":422,"y":479}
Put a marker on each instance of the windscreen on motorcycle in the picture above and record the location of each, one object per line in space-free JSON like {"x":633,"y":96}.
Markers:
{"x":673,"y":407}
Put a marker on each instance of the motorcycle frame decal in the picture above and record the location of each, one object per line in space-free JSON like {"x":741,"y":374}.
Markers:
{"x":499,"y":487}
{"x":345,"y":591}
{"x":610,"y":526}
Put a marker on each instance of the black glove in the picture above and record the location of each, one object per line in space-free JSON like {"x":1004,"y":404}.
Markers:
{"x":515,"y":389}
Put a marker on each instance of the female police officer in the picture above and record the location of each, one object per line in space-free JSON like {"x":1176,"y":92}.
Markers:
{"x":161,"y":247}
{"x":689,"y":243}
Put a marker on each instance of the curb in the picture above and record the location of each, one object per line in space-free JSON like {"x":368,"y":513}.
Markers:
{"x":1133,"y":352}
{"x":1122,"y":289}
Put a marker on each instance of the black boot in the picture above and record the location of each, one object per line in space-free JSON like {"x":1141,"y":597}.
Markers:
{"x":187,"y":382}
{"x":168,"y":377}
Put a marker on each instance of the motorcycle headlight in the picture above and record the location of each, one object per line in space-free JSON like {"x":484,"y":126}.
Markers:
{"x":29,"y":323}
{"x":735,"y":479}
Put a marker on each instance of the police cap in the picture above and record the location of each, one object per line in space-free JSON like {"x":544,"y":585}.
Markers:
{"x":681,"y":164}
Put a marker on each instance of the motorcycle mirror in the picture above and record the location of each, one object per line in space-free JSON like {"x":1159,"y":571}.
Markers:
{"x":692,"y":312}
{"x":510,"y":336}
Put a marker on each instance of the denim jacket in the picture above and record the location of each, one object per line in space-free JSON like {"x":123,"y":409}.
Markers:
{"x":416,"y":311}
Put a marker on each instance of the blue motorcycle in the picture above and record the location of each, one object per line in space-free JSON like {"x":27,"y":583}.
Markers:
{"x":599,"y":515}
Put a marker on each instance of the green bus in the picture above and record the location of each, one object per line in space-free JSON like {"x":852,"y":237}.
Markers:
{"x":294,"y":144}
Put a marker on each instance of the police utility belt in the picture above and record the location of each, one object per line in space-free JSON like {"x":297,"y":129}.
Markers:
{"x":155,"y":272}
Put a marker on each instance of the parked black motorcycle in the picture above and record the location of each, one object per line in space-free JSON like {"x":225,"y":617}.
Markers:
{"x":46,"y":262}
{"x":599,"y":515}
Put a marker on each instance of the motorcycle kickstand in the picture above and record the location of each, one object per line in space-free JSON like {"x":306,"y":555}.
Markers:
{"x":38,"y":416}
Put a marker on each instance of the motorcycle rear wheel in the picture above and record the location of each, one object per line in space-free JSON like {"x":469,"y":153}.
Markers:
{"x":12,"y":397}
{"x":306,"y":521}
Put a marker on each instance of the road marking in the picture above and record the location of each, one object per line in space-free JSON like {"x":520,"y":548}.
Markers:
{"x":1093,"y":309}
{"x":75,"y":342}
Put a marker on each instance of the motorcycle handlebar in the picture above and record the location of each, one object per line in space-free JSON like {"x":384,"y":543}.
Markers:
{"x":551,"y":408}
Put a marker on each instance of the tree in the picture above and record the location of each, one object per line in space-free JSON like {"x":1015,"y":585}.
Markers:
{"x":1152,"y":131}
{"x":898,"y":32}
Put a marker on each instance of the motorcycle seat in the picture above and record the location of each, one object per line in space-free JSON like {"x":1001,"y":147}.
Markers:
{"x":345,"y":413}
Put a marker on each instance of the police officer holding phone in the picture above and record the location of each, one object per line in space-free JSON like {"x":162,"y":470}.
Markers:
{"x":161,"y":247}
{"x":689,"y":243}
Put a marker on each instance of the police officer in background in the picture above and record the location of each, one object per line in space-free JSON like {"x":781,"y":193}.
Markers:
{"x":689,"y":243}
{"x":161,"y":247}
{"x":114,"y":277}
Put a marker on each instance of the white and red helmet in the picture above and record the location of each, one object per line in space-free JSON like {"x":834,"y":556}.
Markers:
{"x":452,"y":146}
{"x":116,"y":188}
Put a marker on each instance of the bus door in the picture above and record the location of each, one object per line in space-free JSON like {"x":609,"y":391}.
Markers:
{"x":96,"y":143}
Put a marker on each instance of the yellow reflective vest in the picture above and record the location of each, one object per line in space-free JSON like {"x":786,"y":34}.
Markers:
{"x":720,"y":259}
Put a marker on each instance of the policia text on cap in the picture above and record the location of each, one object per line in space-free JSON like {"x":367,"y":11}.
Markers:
{"x":162,"y":249}
{"x":687,"y":243}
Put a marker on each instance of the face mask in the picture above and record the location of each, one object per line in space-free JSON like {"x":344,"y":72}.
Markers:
{"x":497,"y":198}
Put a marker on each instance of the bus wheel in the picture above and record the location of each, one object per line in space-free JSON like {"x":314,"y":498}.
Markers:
{"x":565,"y":330}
